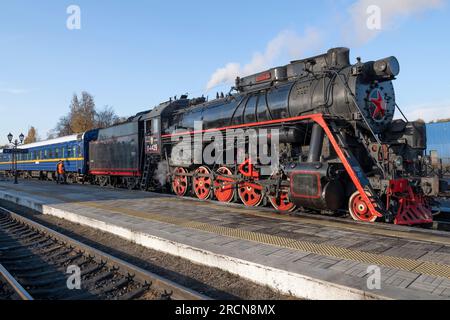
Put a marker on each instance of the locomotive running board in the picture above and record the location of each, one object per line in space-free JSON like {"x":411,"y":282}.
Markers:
{"x":352,"y":167}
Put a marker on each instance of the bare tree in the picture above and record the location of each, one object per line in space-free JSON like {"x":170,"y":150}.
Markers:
{"x":63,"y":127}
{"x":106,"y":117}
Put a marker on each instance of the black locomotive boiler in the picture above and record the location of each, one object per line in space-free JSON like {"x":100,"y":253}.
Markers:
{"x":340,"y":149}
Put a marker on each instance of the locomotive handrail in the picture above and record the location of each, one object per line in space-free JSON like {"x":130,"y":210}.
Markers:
{"x":349,"y":91}
{"x":398,"y":108}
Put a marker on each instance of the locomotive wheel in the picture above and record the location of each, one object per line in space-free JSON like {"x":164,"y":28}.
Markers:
{"x":282,"y":203}
{"x":180,"y":182}
{"x":250,"y":194}
{"x":202,"y":185}
{"x":224,"y":187}
{"x":359,"y":210}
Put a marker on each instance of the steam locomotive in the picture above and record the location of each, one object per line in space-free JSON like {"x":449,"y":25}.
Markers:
{"x":328,"y":124}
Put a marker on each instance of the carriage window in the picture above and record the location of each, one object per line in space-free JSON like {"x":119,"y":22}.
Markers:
{"x":57,"y":153}
{"x":80,"y":152}
{"x":46,"y":154}
{"x":63,"y":152}
{"x":74,"y":151}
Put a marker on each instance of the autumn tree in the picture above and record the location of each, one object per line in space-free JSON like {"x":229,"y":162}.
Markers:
{"x":83,"y":114}
{"x":31,"y":135}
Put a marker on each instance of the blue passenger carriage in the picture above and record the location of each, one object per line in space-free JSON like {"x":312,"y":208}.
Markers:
{"x":43,"y":156}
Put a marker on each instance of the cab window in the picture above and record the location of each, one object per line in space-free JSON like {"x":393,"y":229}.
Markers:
{"x":155,"y":126}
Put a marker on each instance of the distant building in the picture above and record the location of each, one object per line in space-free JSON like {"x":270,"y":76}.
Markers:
{"x":438,"y":140}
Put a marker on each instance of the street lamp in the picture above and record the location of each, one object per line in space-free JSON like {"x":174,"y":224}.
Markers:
{"x":15,"y":144}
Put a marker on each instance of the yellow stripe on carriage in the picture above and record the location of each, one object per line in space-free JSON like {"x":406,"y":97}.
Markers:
{"x":43,"y":160}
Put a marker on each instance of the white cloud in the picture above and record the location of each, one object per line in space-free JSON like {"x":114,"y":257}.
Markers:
{"x":13,"y":91}
{"x":391,"y":12}
{"x":429,"y":111}
{"x":353,"y":33}
{"x":286,"y":42}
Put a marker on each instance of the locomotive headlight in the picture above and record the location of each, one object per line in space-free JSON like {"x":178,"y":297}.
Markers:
{"x":387,"y":68}
{"x":398,"y":162}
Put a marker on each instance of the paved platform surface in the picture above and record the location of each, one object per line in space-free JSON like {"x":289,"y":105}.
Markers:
{"x":309,"y":257}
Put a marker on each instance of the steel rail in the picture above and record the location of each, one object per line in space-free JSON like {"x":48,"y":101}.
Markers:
{"x":178,"y":292}
{"x":18,"y":289}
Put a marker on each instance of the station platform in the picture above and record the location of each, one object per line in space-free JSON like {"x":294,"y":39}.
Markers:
{"x":310,"y":257}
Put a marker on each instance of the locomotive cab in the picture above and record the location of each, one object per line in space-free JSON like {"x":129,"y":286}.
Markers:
{"x":152,"y":135}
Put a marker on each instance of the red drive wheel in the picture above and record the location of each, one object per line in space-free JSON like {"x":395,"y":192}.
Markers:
{"x":180,"y":182}
{"x":250,"y":194}
{"x":359,"y":210}
{"x":224,"y":187}
{"x":282,"y":203}
{"x":202,"y":185}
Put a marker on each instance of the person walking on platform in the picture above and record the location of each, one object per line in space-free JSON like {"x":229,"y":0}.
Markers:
{"x":61,"y":172}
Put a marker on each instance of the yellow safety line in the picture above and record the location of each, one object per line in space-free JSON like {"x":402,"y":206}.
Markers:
{"x":421,"y":267}
{"x":375,"y":229}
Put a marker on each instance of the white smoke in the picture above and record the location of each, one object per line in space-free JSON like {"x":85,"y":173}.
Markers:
{"x":161,"y":173}
{"x":286,"y":42}
{"x":353,"y":33}
{"x":390,"y":12}
{"x":429,"y":111}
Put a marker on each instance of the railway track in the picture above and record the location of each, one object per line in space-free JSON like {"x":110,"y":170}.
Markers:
{"x":39,"y":263}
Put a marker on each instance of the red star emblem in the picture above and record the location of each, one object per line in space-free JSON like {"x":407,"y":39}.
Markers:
{"x":380,"y":109}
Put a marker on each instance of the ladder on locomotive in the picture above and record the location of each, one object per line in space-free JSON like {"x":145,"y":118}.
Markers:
{"x":354,"y":164}
{"x":146,"y":173}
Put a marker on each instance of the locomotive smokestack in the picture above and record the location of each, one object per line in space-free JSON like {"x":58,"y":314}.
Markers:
{"x":339,"y":57}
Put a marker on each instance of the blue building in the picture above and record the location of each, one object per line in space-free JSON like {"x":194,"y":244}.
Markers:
{"x":438,"y":139}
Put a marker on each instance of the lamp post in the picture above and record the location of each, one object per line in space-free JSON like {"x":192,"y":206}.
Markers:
{"x":15,"y":144}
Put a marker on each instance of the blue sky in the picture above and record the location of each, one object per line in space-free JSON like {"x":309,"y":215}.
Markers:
{"x":133,"y":55}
